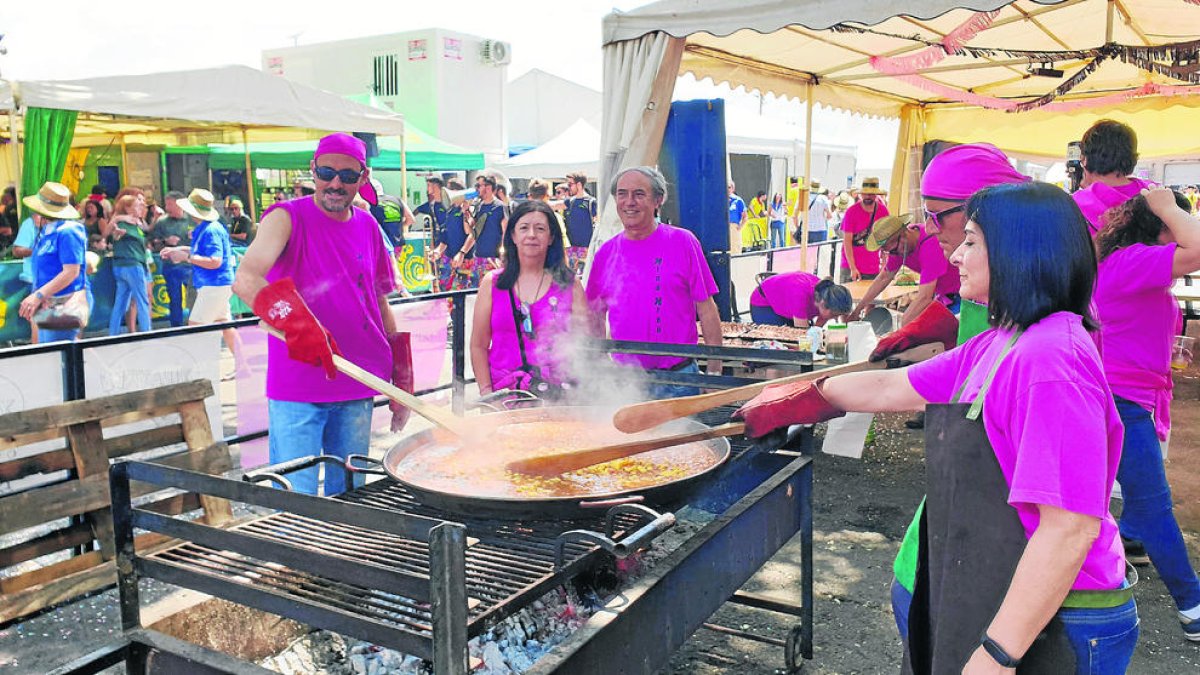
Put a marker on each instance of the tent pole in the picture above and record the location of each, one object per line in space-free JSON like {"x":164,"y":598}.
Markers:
{"x":124,"y":163}
{"x":16,"y":146}
{"x":404,"y":165}
{"x":1108,"y":21}
{"x":249,"y":179}
{"x":808,"y":121}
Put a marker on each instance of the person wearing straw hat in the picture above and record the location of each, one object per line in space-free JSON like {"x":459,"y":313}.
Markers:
{"x":910,"y":247}
{"x":59,"y":255}
{"x":856,"y":227}
{"x":819,"y":213}
{"x":211,"y":256}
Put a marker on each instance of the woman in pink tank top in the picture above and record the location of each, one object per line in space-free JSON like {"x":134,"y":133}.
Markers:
{"x":527,"y":312}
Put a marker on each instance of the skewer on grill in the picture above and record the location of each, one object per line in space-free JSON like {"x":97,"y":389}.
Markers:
{"x":439,"y":416}
{"x":573,"y":460}
{"x":649,"y":414}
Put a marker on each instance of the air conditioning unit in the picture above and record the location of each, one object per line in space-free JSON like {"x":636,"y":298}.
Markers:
{"x":495,"y":52}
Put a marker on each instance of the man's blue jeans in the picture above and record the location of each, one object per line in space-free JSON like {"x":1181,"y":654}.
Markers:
{"x":778,"y":234}
{"x":177,"y":278}
{"x":337,"y":429}
{"x":660,"y":391}
{"x":131,"y":287}
{"x":1147,"y":514}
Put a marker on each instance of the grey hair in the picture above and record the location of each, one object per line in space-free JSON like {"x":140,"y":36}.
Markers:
{"x":658,"y":183}
{"x":836,"y":299}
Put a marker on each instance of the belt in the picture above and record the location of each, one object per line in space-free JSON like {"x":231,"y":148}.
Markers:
{"x":1104,"y":599}
{"x":677,"y":367}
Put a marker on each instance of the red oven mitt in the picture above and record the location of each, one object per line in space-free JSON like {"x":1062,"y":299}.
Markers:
{"x":934,"y":324}
{"x":402,"y":376}
{"x":281,"y":306}
{"x":784,"y":404}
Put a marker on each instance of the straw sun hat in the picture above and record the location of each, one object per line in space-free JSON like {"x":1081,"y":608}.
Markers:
{"x":870,"y":186}
{"x":53,"y":200}
{"x":886,"y":228}
{"x":199,"y":204}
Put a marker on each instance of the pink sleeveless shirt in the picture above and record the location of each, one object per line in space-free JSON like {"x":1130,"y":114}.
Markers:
{"x":551,"y":323}
{"x":341,"y":270}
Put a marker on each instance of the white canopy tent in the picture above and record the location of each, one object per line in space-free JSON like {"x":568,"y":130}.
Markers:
{"x":944,"y":70}
{"x":575,"y":149}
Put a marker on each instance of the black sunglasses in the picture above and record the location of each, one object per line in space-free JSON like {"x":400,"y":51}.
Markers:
{"x":325,"y":174}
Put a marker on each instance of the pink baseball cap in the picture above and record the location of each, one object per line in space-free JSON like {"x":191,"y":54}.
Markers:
{"x":963,"y":170}
{"x":342,"y":144}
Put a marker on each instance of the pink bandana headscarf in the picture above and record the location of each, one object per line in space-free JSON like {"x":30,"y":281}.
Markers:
{"x":963,"y":170}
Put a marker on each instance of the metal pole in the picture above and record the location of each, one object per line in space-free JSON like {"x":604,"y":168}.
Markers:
{"x":808,"y":115}
{"x":404,"y":165}
{"x":249,"y":178}
{"x":124,"y":163}
{"x":458,"y":346}
{"x":16,"y":150}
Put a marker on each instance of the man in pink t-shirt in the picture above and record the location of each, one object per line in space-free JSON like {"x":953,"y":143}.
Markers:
{"x":319,"y":272}
{"x":1109,"y":156}
{"x":911,"y":247}
{"x":651,"y":281}
{"x":856,"y":226}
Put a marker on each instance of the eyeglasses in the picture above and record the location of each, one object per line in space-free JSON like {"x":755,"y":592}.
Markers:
{"x":326,"y":174}
{"x":933,"y":219}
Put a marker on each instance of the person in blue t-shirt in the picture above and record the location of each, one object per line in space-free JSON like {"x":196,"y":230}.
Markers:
{"x":23,"y":249}
{"x":449,"y":234}
{"x":579,"y":212}
{"x":481,"y":251}
{"x":57,"y":261}
{"x":211,"y":256}
{"x":737,"y":220}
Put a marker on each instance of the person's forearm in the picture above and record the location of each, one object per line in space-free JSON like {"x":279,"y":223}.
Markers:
{"x":918,"y":305}
{"x":873,"y":391}
{"x":60,"y":281}
{"x":710,"y":329}
{"x":205,"y":261}
{"x":1044,"y":575}
{"x":881,"y":282}
{"x":385,"y":312}
{"x":1185,"y":228}
{"x":483,"y":372}
{"x":21,"y":252}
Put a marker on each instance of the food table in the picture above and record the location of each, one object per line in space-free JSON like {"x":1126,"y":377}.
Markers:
{"x":887,"y":296}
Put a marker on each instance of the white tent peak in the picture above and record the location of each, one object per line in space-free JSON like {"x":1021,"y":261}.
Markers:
{"x":575,"y":149}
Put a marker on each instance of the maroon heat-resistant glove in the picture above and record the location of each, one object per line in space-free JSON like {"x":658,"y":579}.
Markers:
{"x":934,"y":324}
{"x":783,"y":404}
{"x":281,"y":306}
{"x":402,"y":376}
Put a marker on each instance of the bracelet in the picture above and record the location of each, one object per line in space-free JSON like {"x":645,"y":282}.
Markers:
{"x":997,"y":652}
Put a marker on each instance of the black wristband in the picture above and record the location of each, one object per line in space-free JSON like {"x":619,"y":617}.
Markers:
{"x":997,"y":652}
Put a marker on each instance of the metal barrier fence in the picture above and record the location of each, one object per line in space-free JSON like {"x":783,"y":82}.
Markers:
{"x":745,"y":267}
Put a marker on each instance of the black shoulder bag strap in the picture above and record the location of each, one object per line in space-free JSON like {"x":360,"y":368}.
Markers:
{"x":512,"y":300}
{"x":860,"y":238}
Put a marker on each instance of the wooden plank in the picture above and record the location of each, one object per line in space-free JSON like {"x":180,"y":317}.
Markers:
{"x":158,"y":437}
{"x":75,"y":412}
{"x":67,"y":537}
{"x":174,"y":505}
{"x":87,"y":444}
{"x":118,"y":446}
{"x":70,"y":498}
{"x":41,"y":588}
{"x":197,"y":432}
{"x":43,"y":462}
{"x":18,"y":440}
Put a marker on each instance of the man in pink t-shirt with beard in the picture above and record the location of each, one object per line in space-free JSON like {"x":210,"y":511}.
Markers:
{"x":856,"y":226}
{"x":651,"y":281}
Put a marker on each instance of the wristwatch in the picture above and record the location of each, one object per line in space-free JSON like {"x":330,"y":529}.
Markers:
{"x":997,"y":652}
{"x":38,"y":294}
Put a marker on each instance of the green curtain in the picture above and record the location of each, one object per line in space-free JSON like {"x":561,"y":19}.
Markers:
{"x":48,"y":135}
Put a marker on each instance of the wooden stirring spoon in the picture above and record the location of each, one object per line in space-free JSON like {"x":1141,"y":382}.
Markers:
{"x":573,"y":460}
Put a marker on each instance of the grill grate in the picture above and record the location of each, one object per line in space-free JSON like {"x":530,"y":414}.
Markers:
{"x":509,"y":564}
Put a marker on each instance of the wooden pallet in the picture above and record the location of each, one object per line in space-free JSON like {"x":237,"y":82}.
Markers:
{"x":58,"y":490}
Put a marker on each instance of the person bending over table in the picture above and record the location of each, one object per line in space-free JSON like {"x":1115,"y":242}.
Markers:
{"x":798,"y":295}
{"x":1149,"y":241}
{"x":913,"y":248}
{"x":527,"y":308}
{"x":1021,"y":454}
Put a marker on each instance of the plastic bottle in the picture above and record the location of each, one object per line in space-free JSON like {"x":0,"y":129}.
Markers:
{"x":836,"y":342}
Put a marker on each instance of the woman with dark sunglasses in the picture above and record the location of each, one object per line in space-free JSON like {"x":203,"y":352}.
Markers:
{"x":1022,"y":563}
{"x":526,"y":310}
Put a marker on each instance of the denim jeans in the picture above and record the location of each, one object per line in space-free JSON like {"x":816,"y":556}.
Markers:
{"x":778,"y":234}
{"x":817,"y":237}
{"x":337,"y":429}
{"x":1102,"y":639}
{"x":46,"y":335}
{"x":765,"y":316}
{"x":1147,"y":514}
{"x":657,"y":391}
{"x":177,"y":278}
{"x":131,"y":287}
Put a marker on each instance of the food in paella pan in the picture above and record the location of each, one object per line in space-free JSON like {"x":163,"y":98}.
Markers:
{"x":781,"y":333}
{"x":482,"y":470}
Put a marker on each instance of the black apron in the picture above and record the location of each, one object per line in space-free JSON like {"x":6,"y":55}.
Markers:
{"x":971,"y":541}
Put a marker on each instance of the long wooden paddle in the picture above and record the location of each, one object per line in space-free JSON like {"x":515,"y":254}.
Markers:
{"x":571,"y":460}
{"x":649,"y":414}
{"x":439,"y":416}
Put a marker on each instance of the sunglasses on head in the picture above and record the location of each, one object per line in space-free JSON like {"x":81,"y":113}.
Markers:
{"x":933,"y":219}
{"x":325,"y":174}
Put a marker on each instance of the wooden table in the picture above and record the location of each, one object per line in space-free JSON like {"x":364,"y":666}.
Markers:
{"x":888,"y":295}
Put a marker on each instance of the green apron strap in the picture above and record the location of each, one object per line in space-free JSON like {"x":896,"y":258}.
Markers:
{"x":977,"y":405}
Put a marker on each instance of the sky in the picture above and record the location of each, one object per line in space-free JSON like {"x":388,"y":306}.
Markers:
{"x":84,"y":38}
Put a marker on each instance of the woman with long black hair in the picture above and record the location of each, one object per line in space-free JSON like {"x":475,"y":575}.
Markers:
{"x":1021,"y":561}
{"x":525,"y":310}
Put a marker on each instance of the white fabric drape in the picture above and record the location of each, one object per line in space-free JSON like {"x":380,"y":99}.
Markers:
{"x":639,"y":78}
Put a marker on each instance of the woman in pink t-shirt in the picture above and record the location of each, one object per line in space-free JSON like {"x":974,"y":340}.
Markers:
{"x":782,"y":298}
{"x":526,"y":311}
{"x":1022,"y":447}
{"x":1149,"y":241}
